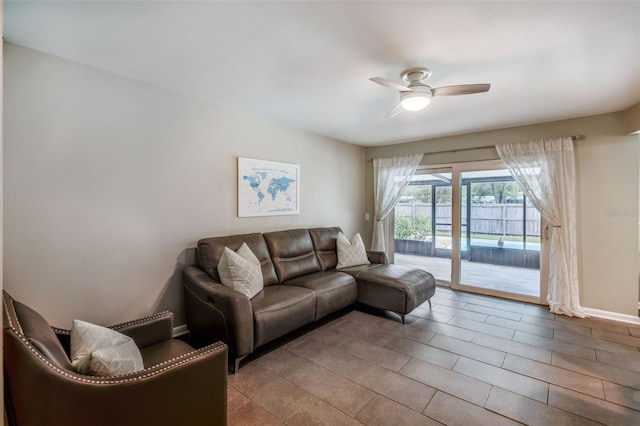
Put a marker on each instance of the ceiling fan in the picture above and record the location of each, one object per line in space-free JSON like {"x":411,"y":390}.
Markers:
{"x":417,"y":95}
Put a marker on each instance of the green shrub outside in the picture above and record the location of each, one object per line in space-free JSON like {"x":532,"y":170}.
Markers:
{"x":418,"y":229}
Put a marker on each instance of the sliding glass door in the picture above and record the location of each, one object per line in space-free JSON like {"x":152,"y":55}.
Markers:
{"x":471,"y":226}
{"x":499,"y":235}
{"x":422,"y":224}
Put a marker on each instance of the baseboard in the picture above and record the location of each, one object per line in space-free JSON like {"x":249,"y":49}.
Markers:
{"x":180,"y":330}
{"x":612,"y":315}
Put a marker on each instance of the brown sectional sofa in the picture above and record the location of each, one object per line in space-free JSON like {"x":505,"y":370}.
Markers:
{"x":301,"y":285}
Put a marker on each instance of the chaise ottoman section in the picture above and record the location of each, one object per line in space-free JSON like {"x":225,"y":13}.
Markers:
{"x":395,"y":288}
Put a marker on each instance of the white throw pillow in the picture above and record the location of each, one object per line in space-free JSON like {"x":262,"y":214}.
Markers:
{"x":101,"y":351}
{"x":351,"y":253}
{"x":241,"y":271}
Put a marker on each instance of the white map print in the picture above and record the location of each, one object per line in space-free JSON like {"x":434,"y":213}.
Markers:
{"x":267,"y":188}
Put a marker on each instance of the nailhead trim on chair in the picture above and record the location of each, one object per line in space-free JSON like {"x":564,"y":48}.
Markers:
{"x":145,"y":319}
{"x":126,"y":324}
{"x":140,"y":375}
{"x":61,"y":331}
{"x":4,"y":303}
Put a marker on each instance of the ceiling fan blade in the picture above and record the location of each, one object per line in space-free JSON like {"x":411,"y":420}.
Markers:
{"x":462,"y":89}
{"x":391,"y":84}
{"x":394,"y":111}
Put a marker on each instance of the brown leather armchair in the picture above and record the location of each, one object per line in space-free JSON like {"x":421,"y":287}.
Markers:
{"x":178,"y":386}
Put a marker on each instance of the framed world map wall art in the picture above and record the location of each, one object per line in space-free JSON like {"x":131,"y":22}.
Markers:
{"x":267,"y":188}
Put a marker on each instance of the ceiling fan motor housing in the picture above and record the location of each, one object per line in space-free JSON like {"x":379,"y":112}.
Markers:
{"x":415,"y":74}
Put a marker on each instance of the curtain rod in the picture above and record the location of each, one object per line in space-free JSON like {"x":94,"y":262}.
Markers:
{"x":574,"y":137}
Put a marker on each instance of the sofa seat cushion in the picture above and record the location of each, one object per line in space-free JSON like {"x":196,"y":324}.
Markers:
{"x":355,"y":270}
{"x":164,"y":351}
{"x":397,"y":288}
{"x":333,"y":289}
{"x":279,"y":309}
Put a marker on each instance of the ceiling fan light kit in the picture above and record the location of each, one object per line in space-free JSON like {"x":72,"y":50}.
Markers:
{"x":417,"y":95}
{"x":412,"y":101}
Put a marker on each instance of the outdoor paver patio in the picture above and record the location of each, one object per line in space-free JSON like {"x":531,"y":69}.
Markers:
{"x":509,"y":279}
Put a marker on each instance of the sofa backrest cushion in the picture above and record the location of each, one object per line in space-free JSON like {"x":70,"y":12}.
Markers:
{"x":37,"y":330}
{"x":210,"y":251}
{"x":324,"y":244}
{"x":292,"y":253}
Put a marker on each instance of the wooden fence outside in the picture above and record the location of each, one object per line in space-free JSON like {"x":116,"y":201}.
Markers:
{"x":488,"y":219}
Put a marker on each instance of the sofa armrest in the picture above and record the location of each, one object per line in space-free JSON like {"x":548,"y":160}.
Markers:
{"x":149,"y":330}
{"x":217,"y":313}
{"x":378,"y":257}
{"x":145,"y":331}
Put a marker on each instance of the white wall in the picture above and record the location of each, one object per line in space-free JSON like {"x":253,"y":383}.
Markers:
{"x":632,"y":119}
{"x":607,"y":174}
{"x":108,"y":180}
{"x":1,"y":207}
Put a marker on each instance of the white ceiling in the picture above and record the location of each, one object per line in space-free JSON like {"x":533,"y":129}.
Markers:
{"x":307,"y":64}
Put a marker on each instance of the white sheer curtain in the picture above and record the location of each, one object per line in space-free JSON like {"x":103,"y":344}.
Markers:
{"x":546,"y":171}
{"x":390,"y":177}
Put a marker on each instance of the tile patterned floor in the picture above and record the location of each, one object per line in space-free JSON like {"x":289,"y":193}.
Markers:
{"x":470,"y":359}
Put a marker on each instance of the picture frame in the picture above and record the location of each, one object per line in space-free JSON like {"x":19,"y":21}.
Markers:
{"x":267,"y":188}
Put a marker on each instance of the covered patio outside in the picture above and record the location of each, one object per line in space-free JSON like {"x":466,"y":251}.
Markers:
{"x":509,"y":279}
